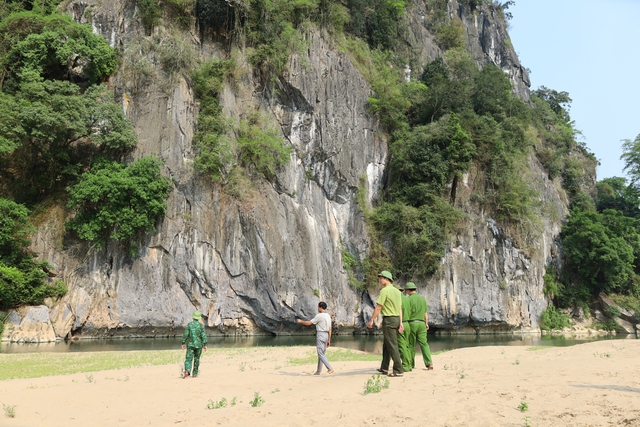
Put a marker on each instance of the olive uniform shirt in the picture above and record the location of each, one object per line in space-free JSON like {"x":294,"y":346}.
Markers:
{"x":391,"y":301}
{"x":419,"y":307}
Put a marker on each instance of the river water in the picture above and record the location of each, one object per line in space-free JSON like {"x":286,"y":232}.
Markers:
{"x":368,"y":343}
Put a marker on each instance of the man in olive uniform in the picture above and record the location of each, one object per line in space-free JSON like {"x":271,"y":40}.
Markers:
{"x":403,"y":338}
{"x":419,"y":323}
{"x":389,"y":302}
{"x":194,"y":340}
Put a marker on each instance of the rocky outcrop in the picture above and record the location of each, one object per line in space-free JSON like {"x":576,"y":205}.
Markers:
{"x":252,"y":264}
{"x":487,"y":39}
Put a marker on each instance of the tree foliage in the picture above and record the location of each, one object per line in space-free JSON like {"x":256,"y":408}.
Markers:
{"x":120,"y":202}
{"x":23,"y":280}
{"x":602,"y":249}
{"x":631,"y":157}
{"x":53,"y":115}
{"x":33,"y":46}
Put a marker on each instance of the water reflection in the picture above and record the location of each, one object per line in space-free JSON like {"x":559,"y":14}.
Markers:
{"x":368,"y":343}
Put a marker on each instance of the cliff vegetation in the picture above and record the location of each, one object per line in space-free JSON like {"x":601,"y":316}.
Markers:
{"x":452,"y":126}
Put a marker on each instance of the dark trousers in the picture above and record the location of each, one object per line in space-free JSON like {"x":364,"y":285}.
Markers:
{"x":390,"y":325}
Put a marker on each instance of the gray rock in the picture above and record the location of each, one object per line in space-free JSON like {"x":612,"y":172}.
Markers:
{"x":252,"y":265}
{"x":34,"y":327}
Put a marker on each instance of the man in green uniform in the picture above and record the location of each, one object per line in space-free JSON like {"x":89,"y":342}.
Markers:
{"x":419,"y":323}
{"x":389,"y":302}
{"x":403,"y":338}
{"x":194,"y":340}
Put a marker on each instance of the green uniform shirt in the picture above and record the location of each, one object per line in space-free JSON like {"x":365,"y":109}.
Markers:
{"x":391,"y":301}
{"x":406,"y":308}
{"x":418,"y":306}
{"x":194,"y":336}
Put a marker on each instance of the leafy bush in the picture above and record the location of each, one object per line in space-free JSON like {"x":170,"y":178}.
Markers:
{"x":418,"y":234}
{"x":216,"y":15}
{"x":181,"y":11}
{"x":553,"y":319}
{"x":42,"y":7}
{"x":376,"y":384}
{"x":449,"y":35}
{"x":550,"y":287}
{"x":262,"y":150}
{"x":213,"y":147}
{"x":53,"y":116}
{"x":119,"y":202}
{"x":379,"y":22}
{"x":628,"y":302}
{"x":59,"y":128}
{"x":601,"y":250}
{"x":22,"y":279}
{"x":150,"y":13}
{"x":33,"y":46}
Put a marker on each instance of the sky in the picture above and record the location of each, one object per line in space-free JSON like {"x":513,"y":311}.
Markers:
{"x":590,"y":49}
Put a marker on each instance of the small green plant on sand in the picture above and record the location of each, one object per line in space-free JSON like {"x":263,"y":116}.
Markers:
{"x":316,"y":292}
{"x":527,"y":422}
{"x":523,"y":406}
{"x":257,"y":400}
{"x":376,"y":384}
{"x":234,"y":401}
{"x":90,"y":378}
{"x":217,"y":405}
{"x":9,"y":410}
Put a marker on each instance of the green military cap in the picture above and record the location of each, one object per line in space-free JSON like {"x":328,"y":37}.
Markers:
{"x":410,"y":286}
{"x":197,"y":315}
{"x":386,"y":274}
{"x":399,"y":287}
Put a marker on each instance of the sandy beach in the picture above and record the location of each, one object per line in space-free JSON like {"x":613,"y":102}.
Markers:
{"x":594,"y":384}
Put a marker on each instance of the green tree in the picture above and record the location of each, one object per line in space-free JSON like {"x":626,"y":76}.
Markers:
{"x":262,"y":150}
{"x":120,"y":202}
{"x":51,"y":47}
{"x":631,"y":157}
{"x":431,"y":157}
{"x":601,"y":250}
{"x":614,"y":193}
{"x":560,"y":102}
{"x":15,"y":230}
{"x":214,"y":148}
{"x":23,"y":280}
{"x":49,"y":129}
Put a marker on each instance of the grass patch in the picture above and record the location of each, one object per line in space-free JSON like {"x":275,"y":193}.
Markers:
{"x":538,"y":347}
{"x":9,"y":410}
{"x":336,"y":355}
{"x":376,"y":384}
{"x":35,"y":365}
{"x":257,"y":400}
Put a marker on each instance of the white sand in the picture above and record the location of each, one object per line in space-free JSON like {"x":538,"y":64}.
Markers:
{"x":594,"y":384}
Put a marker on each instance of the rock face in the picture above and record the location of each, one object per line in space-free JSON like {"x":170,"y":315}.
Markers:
{"x":252,"y":265}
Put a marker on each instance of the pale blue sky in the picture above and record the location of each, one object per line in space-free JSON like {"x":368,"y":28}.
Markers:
{"x":589,"y":48}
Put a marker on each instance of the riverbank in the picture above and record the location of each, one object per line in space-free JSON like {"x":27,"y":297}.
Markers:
{"x":592,"y":384}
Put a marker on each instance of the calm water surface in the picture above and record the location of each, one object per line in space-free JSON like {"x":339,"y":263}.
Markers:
{"x":368,"y":343}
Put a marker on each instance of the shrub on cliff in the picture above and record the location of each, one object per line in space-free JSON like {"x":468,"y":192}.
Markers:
{"x":53,"y":115}
{"x":120,"y":202}
{"x":22,"y":279}
{"x":553,"y":319}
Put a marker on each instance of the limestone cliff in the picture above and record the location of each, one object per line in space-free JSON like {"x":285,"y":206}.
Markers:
{"x":252,"y":265}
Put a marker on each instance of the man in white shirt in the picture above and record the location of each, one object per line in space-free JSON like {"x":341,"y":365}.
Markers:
{"x":323,"y":335}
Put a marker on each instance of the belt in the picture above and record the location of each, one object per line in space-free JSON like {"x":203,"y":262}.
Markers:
{"x":411,"y":321}
{"x":386,"y":317}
